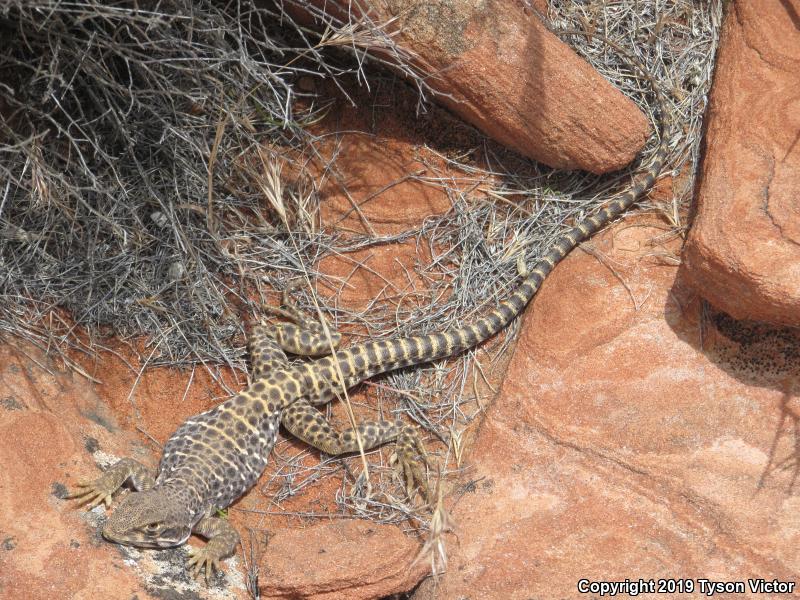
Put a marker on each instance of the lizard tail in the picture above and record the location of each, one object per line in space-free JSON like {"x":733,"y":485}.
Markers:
{"x":365,"y":360}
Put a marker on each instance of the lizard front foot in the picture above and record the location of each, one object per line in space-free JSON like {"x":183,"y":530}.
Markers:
{"x":409,"y":454}
{"x":94,"y":492}
{"x":102,"y":489}
{"x":206,"y":558}
{"x":222,"y":541}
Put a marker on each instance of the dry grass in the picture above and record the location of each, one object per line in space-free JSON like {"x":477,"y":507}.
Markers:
{"x":140,"y":144}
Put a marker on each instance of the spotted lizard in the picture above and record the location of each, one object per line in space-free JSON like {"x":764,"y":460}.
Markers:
{"x":216,"y":456}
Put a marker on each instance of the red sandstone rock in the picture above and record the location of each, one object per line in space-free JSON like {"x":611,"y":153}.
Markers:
{"x":383,"y":195}
{"x":347,"y":559}
{"x":617,"y":449}
{"x":743,"y":252}
{"x":515,"y":81}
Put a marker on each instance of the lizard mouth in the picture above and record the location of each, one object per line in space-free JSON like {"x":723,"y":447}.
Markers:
{"x":128,"y":540}
{"x":113,"y":537}
{"x":138,"y":542}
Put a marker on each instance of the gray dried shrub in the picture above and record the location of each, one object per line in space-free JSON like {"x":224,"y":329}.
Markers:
{"x":111,"y":114}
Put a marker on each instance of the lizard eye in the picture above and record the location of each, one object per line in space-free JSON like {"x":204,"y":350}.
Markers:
{"x":153,"y":527}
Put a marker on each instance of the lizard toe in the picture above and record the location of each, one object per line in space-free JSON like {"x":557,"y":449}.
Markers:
{"x":93,"y":493}
{"x":204,"y":560}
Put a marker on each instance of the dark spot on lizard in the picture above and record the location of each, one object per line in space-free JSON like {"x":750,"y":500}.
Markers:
{"x":9,"y":543}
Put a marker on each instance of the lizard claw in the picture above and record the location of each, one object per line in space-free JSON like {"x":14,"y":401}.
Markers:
{"x":409,"y":453}
{"x":204,"y":559}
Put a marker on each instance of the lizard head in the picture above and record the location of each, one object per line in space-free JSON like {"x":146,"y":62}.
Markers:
{"x":150,"y":519}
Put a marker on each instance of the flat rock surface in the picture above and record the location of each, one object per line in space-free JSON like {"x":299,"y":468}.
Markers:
{"x":743,"y":252}
{"x":620,"y":448}
{"x":341,"y":559}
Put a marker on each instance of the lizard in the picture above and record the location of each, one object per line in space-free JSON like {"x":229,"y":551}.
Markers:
{"x":216,"y":456}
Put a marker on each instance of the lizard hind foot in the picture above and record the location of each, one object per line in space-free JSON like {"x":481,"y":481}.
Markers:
{"x":411,"y":457}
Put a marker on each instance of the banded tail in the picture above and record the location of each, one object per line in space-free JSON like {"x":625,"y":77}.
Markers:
{"x":365,"y":360}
